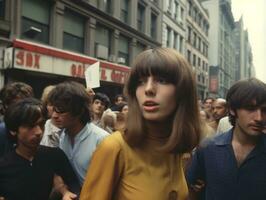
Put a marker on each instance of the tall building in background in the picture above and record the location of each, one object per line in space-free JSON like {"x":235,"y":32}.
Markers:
{"x":221,"y":48}
{"x":248,"y":70}
{"x":174,"y":24}
{"x":197,"y":44}
{"x":244,"y":59}
{"x":46,"y":42}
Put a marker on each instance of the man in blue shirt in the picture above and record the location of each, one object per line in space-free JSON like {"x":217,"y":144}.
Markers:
{"x":232,"y":166}
{"x":80,"y":137}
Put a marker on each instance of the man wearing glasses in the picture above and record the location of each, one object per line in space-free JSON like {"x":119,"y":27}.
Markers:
{"x":80,"y":137}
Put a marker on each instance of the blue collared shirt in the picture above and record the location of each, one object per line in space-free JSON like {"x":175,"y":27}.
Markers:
{"x":216,"y":165}
{"x":85,"y":143}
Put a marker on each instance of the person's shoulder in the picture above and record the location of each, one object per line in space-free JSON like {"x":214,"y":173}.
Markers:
{"x":217,"y":140}
{"x":97,"y":131}
{"x":8,"y":159}
{"x":49,"y":150}
{"x":113,"y":142}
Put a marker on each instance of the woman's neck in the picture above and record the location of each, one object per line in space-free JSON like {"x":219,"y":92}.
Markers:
{"x":159,"y":129}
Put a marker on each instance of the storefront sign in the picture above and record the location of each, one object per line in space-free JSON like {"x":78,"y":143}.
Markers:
{"x":36,"y":61}
{"x":214,"y":84}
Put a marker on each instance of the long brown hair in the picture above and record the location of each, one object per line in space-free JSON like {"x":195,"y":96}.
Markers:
{"x":169,"y":64}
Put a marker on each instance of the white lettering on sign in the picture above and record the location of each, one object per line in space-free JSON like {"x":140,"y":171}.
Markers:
{"x":43,"y":63}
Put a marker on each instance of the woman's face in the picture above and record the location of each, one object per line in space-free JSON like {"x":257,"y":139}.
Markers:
{"x":125,"y":109}
{"x":156,"y":98}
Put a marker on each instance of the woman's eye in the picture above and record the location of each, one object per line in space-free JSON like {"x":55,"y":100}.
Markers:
{"x":142,"y":81}
{"x":162,"y":80}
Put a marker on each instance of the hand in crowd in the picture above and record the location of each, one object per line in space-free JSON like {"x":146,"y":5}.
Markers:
{"x":198,"y":186}
{"x":69,"y":196}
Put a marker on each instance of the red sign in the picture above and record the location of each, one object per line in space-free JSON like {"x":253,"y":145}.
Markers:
{"x":214,"y":84}
{"x":42,"y":58}
{"x":28,"y":59}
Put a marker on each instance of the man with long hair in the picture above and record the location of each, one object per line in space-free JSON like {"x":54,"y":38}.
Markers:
{"x":80,"y":137}
{"x":232,"y":165}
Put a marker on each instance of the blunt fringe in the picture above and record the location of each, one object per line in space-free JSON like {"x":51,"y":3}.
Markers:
{"x":172,"y":66}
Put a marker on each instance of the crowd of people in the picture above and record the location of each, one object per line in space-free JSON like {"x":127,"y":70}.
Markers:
{"x":156,"y":141}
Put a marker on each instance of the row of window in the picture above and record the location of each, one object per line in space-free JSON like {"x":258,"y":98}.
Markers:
{"x":175,"y":10}
{"x":36,"y":26}
{"x":125,"y":9}
{"x":196,"y":15}
{"x":201,"y":64}
{"x":196,"y":41}
{"x":202,"y":79}
{"x":174,"y":40}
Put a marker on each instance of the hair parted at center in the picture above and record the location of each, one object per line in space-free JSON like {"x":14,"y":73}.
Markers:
{"x":173,"y":67}
{"x":71,"y":97}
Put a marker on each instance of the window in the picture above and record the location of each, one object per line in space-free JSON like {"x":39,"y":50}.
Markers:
{"x":199,"y":62}
{"x":169,"y":5}
{"x":35,"y":20}
{"x":181,"y":44}
{"x":2,"y":9}
{"x":107,"y":6}
{"x":190,"y":8}
{"x":168,"y":36}
{"x":153,"y":26}
{"x":124,"y":15}
{"x":194,"y":39}
{"x":73,"y":38}
{"x":199,"y":44}
{"x":176,"y":11}
{"x":182,"y":14}
{"x":140,"y":17}
{"x":189,"y":34}
{"x":123,"y":49}
{"x":200,"y":20}
{"x":175,"y":41}
{"x":195,"y":14}
{"x":189,"y":56}
{"x":194,"y":60}
{"x":102,"y":37}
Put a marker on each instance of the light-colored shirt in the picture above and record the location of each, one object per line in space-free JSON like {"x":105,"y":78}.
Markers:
{"x":85,"y":143}
{"x":51,"y":135}
{"x":224,"y":125}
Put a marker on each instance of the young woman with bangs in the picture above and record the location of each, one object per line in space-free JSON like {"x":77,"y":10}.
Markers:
{"x":145,"y":162}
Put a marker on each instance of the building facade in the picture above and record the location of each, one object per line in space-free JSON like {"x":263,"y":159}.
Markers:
{"x":47,"y":42}
{"x":244,"y":59}
{"x":221,"y":48}
{"x":174,"y":20}
{"x":197,"y":44}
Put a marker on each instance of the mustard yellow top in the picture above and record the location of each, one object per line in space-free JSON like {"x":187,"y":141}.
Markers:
{"x":120,"y":172}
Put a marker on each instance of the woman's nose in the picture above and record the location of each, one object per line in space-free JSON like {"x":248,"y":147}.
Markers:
{"x":150,"y":86}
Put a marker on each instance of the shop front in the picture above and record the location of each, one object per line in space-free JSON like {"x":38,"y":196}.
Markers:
{"x":41,"y":65}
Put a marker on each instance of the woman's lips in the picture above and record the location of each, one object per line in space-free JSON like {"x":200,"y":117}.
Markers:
{"x":150,"y":106}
